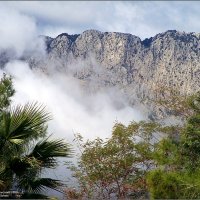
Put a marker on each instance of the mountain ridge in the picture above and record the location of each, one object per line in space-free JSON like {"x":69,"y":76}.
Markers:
{"x":106,"y":32}
{"x":169,"y":59}
{"x":98,"y":43}
{"x":141,"y":68}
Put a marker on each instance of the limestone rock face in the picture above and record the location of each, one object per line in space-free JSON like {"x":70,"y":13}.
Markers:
{"x":170,"y":59}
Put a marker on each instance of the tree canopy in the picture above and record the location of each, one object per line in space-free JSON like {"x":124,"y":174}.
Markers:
{"x":145,"y":159}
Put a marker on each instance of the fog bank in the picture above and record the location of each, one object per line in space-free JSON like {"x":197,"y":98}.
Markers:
{"x":72,"y":109}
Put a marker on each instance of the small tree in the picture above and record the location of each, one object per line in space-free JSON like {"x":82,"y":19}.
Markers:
{"x":118,"y":166}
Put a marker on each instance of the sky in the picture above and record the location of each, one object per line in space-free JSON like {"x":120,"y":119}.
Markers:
{"x":140,"y":18}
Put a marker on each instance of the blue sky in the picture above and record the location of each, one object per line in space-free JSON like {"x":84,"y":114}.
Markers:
{"x":144,"y":19}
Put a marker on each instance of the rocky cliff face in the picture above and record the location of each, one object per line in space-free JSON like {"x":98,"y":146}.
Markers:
{"x":170,"y":59}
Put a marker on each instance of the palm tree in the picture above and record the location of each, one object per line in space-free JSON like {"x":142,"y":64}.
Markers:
{"x":25,"y":151}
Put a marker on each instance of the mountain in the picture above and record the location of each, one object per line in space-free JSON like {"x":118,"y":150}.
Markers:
{"x":141,"y":68}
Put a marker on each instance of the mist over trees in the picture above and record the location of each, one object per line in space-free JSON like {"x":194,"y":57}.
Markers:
{"x":146,"y":159}
{"x":143,"y":160}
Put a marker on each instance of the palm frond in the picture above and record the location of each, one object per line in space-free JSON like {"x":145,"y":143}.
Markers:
{"x":2,"y":185}
{"x":24,"y":122}
{"x":24,"y":165}
{"x":20,"y":128}
{"x":6,"y":177}
{"x":16,"y":141}
{"x":38,"y":185}
{"x":46,"y":151}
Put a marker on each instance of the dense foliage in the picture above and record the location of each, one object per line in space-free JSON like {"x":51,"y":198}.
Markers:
{"x":178,"y":159}
{"x":118,"y":165}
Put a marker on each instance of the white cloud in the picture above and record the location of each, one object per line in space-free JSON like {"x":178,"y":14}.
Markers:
{"x":144,"y":19}
{"x":18,"y":32}
{"x":72,"y":110}
{"x":55,"y":31}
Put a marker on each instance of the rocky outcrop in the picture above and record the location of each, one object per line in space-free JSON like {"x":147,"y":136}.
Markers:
{"x":170,"y":59}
